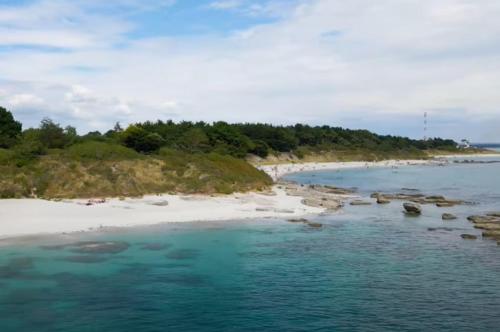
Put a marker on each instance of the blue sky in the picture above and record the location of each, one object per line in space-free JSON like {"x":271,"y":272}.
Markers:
{"x":362,"y":64}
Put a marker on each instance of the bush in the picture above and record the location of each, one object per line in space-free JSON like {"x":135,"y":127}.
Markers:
{"x":140,"y":140}
{"x":29,"y":147}
{"x":5,"y":156}
{"x":260,"y":149}
{"x":94,"y":150}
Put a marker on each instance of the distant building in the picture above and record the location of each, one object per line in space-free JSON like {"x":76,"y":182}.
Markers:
{"x":464,"y":144}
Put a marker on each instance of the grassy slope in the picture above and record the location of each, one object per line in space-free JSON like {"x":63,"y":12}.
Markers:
{"x":103,"y":171}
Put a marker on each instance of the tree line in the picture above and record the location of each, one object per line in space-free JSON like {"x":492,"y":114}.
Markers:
{"x":237,"y":140}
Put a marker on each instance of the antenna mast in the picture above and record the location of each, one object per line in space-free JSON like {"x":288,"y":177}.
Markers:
{"x":425,"y":126}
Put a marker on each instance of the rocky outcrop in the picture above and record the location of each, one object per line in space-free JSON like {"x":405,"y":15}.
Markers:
{"x":468,"y":237}
{"x":412,"y":209}
{"x":489,"y":224}
{"x":448,"y":216}
{"x":327,"y":197}
{"x":439,"y":200}
{"x":382,"y":200}
{"x":322,"y":202}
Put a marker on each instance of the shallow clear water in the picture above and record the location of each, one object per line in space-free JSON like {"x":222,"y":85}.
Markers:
{"x":367,"y":269}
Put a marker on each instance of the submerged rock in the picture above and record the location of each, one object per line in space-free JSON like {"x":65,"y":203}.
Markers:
{"x":155,"y":246}
{"x":360,"y":202}
{"x":448,"y":216}
{"x":303,"y":220}
{"x":91,"y":247}
{"x":468,"y":237}
{"x":86,"y":259}
{"x":182,"y":254}
{"x":447,"y":229}
{"x":160,"y":203}
{"x":412,"y":209}
{"x":445,"y":204}
{"x":16,"y":267}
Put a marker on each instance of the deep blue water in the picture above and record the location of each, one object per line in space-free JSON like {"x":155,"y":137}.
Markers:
{"x":367,"y":269}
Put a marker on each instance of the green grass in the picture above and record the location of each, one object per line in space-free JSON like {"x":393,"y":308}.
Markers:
{"x":6,"y":156}
{"x":104,"y":170}
{"x":93,"y":150}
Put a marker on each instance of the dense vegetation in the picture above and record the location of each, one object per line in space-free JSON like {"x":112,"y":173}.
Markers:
{"x":154,"y":157}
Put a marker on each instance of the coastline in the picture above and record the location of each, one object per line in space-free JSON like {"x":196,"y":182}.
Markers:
{"x":23,"y":217}
{"x":279,"y":170}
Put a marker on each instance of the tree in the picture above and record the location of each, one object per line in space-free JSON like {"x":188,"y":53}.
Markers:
{"x":52,"y":135}
{"x":140,"y":140}
{"x":260,"y":149}
{"x":10,"y":129}
{"x":195,"y":140}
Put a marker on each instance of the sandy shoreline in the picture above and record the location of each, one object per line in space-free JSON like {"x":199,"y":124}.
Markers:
{"x":278,"y":171}
{"x":20,"y":217}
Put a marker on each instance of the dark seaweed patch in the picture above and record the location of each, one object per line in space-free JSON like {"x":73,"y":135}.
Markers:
{"x":182,"y":279}
{"x":89,"y":247}
{"x":181,"y":254}
{"x":87,"y":259}
{"x":16,"y":267}
{"x":155,"y":246}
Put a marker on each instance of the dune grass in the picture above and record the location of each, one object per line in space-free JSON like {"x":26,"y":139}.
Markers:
{"x":98,"y":169}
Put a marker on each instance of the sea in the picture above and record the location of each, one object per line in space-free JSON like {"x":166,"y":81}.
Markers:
{"x":368,"y":268}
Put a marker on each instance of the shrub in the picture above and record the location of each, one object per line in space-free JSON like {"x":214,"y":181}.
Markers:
{"x":94,"y":150}
{"x":5,"y":156}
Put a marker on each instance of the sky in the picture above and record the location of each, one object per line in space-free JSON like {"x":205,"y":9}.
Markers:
{"x":377,"y":65}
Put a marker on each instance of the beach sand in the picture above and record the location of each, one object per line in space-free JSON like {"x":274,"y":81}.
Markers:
{"x":19,"y":217}
{"x":278,"y":171}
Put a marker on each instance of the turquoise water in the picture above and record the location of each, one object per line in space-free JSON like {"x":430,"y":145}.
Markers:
{"x":367,"y":269}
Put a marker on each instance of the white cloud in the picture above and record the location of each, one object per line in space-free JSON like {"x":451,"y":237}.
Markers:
{"x":225,"y":4}
{"x":324,"y":62}
{"x":24,"y":100}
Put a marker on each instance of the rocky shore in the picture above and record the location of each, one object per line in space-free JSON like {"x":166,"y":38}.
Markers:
{"x":489,"y":224}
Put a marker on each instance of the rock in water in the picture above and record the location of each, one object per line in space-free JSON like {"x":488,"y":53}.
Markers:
{"x":449,"y":216}
{"x":445,"y":204}
{"x":303,"y":220}
{"x":360,"y":202}
{"x":412,"y":209}
{"x":382,"y":200}
{"x":468,"y":237}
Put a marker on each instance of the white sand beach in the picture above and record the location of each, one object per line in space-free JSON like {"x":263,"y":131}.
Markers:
{"x":20,"y":217}
{"x":279,"y":170}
